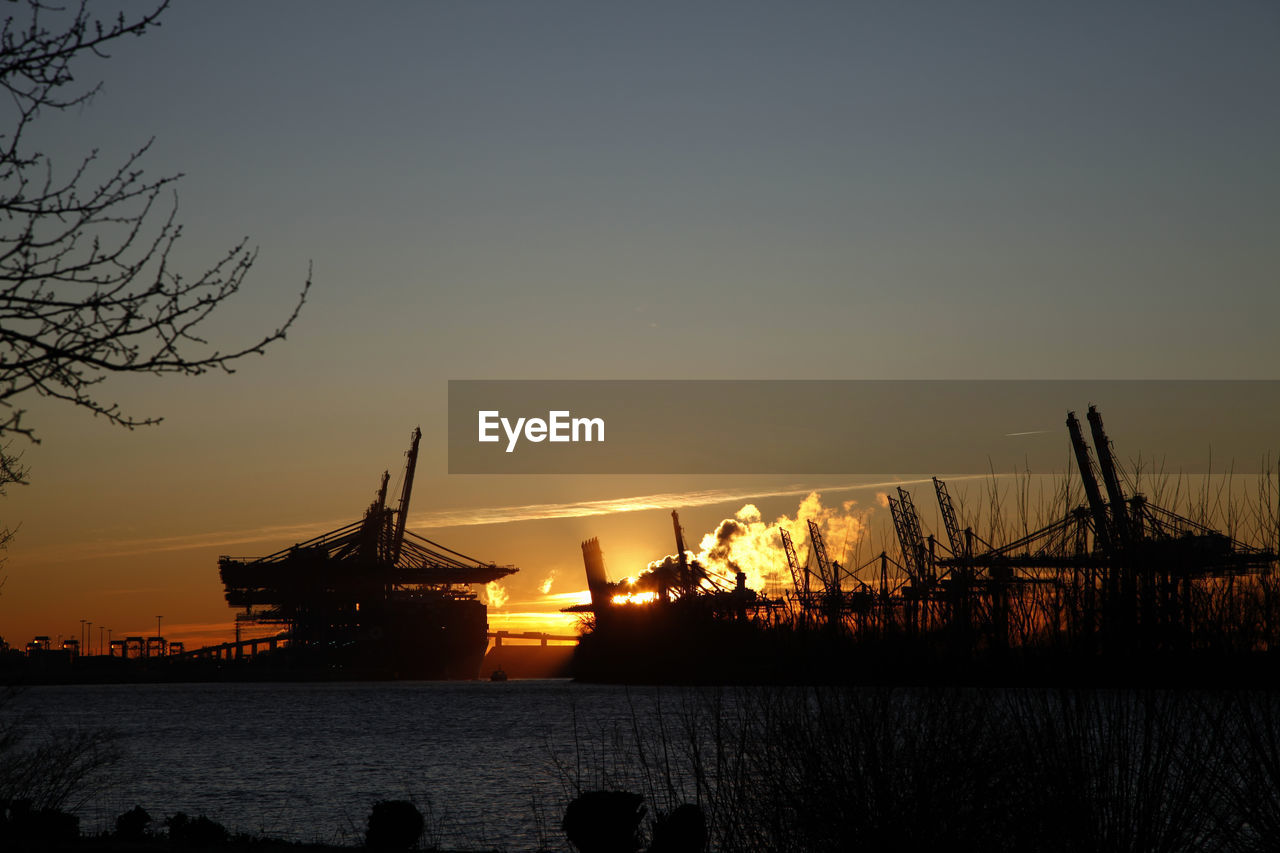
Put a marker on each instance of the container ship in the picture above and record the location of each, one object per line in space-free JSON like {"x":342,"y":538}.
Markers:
{"x":371,"y":600}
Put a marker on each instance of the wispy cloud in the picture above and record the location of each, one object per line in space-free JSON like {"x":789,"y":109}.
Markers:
{"x":279,"y":536}
{"x":181,"y":630}
{"x":222,"y":539}
{"x":556,"y":599}
{"x":639,"y":503}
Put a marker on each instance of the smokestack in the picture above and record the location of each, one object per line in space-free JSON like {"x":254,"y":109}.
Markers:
{"x":597,"y":582}
{"x":686,"y":578}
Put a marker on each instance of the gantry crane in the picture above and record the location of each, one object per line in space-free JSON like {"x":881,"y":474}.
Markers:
{"x":386,"y":597}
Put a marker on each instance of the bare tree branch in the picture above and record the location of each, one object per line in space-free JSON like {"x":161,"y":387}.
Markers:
{"x":86,"y":284}
{"x":87,"y":287}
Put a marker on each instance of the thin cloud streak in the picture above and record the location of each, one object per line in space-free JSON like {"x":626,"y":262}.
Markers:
{"x":178,"y":630}
{"x":217,"y":539}
{"x":282,"y":536}
{"x":130,"y":591}
{"x":610,"y":506}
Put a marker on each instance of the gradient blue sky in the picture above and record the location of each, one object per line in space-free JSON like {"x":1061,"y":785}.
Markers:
{"x":657,"y":190}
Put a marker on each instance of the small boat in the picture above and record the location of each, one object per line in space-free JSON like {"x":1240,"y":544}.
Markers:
{"x":498,"y":674}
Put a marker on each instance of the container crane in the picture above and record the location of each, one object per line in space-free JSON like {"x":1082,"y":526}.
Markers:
{"x":1110,"y":477}
{"x":799,"y":579}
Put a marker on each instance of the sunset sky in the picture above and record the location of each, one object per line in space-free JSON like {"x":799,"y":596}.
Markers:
{"x":563,"y":190}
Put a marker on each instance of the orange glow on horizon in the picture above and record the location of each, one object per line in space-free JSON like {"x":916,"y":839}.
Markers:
{"x":636,"y":598}
{"x":541,"y":614}
{"x":120,"y":580}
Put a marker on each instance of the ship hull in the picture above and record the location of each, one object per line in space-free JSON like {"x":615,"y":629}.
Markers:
{"x":417,"y":638}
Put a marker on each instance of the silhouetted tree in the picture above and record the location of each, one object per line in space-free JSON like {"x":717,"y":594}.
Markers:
{"x":604,"y":821}
{"x":198,"y":831}
{"x":684,"y":830}
{"x":87,"y":288}
{"x":393,"y":825}
{"x":132,"y":825}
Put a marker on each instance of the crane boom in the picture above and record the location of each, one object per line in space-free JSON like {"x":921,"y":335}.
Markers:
{"x":1107,"y":464}
{"x":788,"y":548}
{"x":820,"y":553}
{"x":402,"y":514}
{"x":376,"y":528}
{"x":899,"y":527}
{"x":949,"y":518}
{"x":686,"y":581}
{"x":911,"y":522}
{"x":1084,"y":461}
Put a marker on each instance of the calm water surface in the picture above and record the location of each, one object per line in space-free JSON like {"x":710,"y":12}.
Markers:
{"x":306,"y":761}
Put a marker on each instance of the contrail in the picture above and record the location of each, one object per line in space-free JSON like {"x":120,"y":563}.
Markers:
{"x":283,"y":535}
{"x":212,"y":539}
{"x":1029,"y":432}
{"x":609,"y":506}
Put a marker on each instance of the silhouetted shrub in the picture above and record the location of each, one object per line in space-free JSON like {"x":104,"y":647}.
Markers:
{"x":1119,"y":770}
{"x":195,"y":831}
{"x":684,"y":830}
{"x":799,"y":770}
{"x":393,"y":825}
{"x":20,"y":822}
{"x":132,"y":825}
{"x":48,"y":767}
{"x":604,"y":821}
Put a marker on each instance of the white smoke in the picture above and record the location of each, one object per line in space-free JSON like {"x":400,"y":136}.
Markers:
{"x":748,"y":544}
{"x":495,"y":595}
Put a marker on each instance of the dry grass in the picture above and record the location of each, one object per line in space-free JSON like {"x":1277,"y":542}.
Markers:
{"x":843,"y":768}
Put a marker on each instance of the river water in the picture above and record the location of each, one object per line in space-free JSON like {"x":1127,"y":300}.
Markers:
{"x":492,"y":764}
